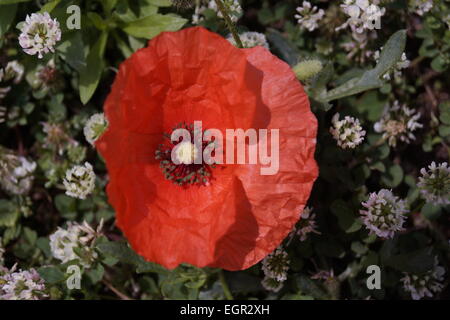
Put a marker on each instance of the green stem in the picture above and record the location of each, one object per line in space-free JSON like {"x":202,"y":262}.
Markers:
{"x":226,"y":289}
{"x":223,"y":9}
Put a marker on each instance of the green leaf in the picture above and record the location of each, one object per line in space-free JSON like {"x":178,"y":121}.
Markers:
{"x":90,"y":75}
{"x":109,"y":5}
{"x":391,"y":53}
{"x":49,"y":6}
{"x":4,"y":2}
{"x":65,"y":205}
{"x":286,"y":50}
{"x":152,"y":25}
{"x":418,"y":261}
{"x":51,"y":275}
{"x":444,"y":115}
{"x":125,"y":254}
{"x":346,"y":219}
{"x":431,"y":211}
{"x":393,"y":177}
{"x":311,"y":288}
{"x":444,"y":131}
{"x":439,"y":63}
{"x":71,"y":49}
{"x":8,"y":214}
{"x":96,"y":274}
{"x":371,"y":79}
{"x":98,"y":21}
{"x":159,"y":3}
{"x":7,"y":15}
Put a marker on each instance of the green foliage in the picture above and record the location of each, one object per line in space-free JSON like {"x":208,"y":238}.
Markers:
{"x":44,"y":121}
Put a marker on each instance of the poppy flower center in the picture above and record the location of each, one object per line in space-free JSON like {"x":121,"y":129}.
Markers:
{"x":181,"y":159}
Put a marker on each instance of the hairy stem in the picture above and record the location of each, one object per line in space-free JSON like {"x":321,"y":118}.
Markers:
{"x":224,"y":10}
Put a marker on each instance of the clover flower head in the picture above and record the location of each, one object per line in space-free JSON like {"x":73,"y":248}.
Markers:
{"x":398,"y":123}
{"x":347,"y":132}
{"x":74,"y":243}
{"x":308,"y":16}
{"x":420,"y":7}
{"x":21,"y":285}
{"x":434,"y":184}
{"x":397,"y":70}
{"x":56,"y":137}
{"x":95,"y":127}
{"x":13,"y":71}
{"x":271,"y":284}
{"x":276,"y":265}
{"x":363,"y":15}
{"x":424,"y":285}
{"x":80,"y":181}
{"x":39,"y":34}
{"x":251,"y":39}
{"x":233,"y":6}
{"x":46,"y":77}
{"x":384,"y":213}
{"x":16,"y":174}
{"x":307,"y":224}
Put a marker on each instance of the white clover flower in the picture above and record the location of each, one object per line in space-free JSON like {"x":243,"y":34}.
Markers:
{"x":80,"y":181}
{"x":271,"y":284}
{"x":40,"y":33}
{"x":397,"y":70}
{"x":307,"y":224}
{"x":13,"y":71}
{"x":276,"y":265}
{"x":424,"y":285}
{"x":95,"y":127}
{"x":398,"y":123}
{"x":17,"y":176}
{"x":308,"y":16}
{"x":233,"y":6}
{"x":63,"y":243}
{"x":420,"y":7}
{"x":434,"y":184}
{"x":384,"y":213}
{"x":251,"y":39}
{"x":21,"y":285}
{"x":347,"y":132}
{"x":363,"y":15}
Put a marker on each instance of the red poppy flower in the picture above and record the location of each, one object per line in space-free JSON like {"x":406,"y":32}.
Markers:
{"x":229,"y":216}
